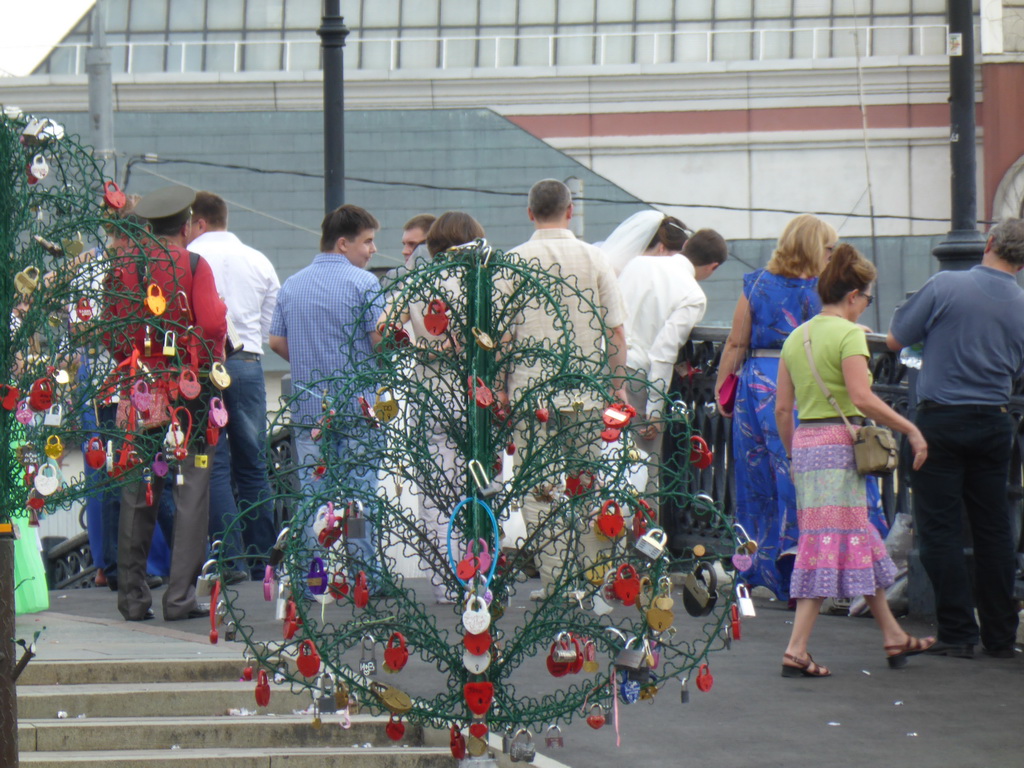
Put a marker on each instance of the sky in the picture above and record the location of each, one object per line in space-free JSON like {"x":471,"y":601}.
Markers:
{"x":31,"y":29}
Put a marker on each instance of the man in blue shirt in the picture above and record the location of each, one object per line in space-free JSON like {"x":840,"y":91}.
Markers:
{"x":324,"y":325}
{"x":970,"y":325}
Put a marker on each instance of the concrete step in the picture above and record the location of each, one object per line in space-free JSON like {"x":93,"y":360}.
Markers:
{"x":178,"y":733}
{"x":200,"y":699}
{"x":345,"y":757}
{"x":130,"y":671}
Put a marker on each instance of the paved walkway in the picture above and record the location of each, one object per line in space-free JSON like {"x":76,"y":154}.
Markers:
{"x":938,"y":712}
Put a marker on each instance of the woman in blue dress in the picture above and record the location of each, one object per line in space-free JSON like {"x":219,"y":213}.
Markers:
{"x":775,"y":300}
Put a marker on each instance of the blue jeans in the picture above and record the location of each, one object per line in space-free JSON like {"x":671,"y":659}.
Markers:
{"x":103,"y":510}
{"x":240,"y":465}
{"x":349,"y":463}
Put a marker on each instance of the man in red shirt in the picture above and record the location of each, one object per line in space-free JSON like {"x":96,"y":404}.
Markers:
{"x":167,"y":326}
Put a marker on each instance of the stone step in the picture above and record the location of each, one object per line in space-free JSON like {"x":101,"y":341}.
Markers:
{"x":178,"y":699}
{"x":177,"y":733}
{"x":131,"y":671}
{"x":344,"y":757}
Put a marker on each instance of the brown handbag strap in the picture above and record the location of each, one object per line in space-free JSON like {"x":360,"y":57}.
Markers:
{"x":821,"y":384}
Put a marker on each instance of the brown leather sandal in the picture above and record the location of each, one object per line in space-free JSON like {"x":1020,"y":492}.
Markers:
{"x":897,"y":655}
{"x":803,"y":667}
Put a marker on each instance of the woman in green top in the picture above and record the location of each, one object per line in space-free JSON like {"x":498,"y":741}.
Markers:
{"x":839,"y":553}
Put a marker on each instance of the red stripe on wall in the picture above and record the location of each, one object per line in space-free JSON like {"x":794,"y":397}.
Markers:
{"x":732,"y":121}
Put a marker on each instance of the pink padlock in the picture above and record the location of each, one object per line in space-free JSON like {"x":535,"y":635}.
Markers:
{"x":141,"y":398}
{"x":24,"y":413}
{"x":268,"y":583}
{"x":218,"y":414}
{"x":483,"y":554}
{"x":160,"y":465}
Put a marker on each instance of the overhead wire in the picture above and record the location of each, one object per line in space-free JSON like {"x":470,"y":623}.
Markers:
{"x":518,"y":194}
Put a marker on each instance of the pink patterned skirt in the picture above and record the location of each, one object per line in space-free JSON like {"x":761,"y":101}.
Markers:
{"x":839,"y":553}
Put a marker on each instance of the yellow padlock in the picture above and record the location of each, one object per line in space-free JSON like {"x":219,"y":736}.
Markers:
{"x":74,"y":246}
{"x":54,"y":447}
{"x":219,"y":376}
{"x":155,"y":299}
{"x":482,"y":339}
{"x":27,"y":281}
{"x":385,"y":410}
{"x":202,"y":461}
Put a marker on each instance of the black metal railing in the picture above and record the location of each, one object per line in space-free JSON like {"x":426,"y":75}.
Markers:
{"x":694,"y":382}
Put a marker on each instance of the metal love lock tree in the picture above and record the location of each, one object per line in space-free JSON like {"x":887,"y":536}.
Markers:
{"x":68,"y":247}
{"x":442,"y":489}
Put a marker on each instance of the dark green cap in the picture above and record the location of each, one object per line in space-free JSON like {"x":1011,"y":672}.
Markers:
{"x":167,"y":208}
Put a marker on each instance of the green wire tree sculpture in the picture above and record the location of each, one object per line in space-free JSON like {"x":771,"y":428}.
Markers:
{"x":428,"y":413}
{"x":57,"y":305}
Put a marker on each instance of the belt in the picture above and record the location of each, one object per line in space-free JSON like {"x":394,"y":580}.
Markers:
{"x":251,"y":357}
{"x":765,"y":352}
{"x":855,"y":420}
{"x":931,"y":405}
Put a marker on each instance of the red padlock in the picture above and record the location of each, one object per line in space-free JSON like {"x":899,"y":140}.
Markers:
{"x":95,"y":456}
{"x":467,"y":567}
{"x":396,"y":654}
{"x":393,"y":336}
{"x":610,"y":434}
{"x":40,"y":397}
{"x":188,"y":384}
{"x":212,"y":435}
{"x":576,"y":666}
{"x":458,"y":743}
{"x":478,"y":729}
{"x":477,"y":644}
{"x":113,"y":196}
{"x":308,"y":660}
{"x":84,"y":309}
{"x":361,"y":597}
{"x":331,"y":532}
{"x":542,"y":415}
{"x":735,"y":624}
{"x":214,"y":599}
{"x":618,"y":415}
{"x":578,"y":483}
{"x":557,"y":668}
{"x":291,"y":620}
{"x":596,"y":718}
{"x":700,"y":454}
{"x":339,"y":586}
{"x":395,"y":729}
{"x":610,"y":522}
{"x":246,"y":674}
{"x":262,"y":689}
{"x":704,"y":678}
{"x":10,"y":396}
{"x":478,"y":696}
{"x":480,"y":392}
{"x":627,"y":584}
{"x":642,"y":518}
{"x":436,"y":318}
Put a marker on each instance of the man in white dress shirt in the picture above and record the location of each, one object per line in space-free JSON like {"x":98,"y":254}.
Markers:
{"x":664,"y":302}
{"x":247,"y":282}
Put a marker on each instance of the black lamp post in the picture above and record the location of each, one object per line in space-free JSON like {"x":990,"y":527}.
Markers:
{"x":964,"y":245}
{"x":332,"y":34}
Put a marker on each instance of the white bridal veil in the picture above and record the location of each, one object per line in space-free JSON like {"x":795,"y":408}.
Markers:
{"x":631,"y":237}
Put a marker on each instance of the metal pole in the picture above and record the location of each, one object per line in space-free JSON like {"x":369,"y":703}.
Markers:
{"x":964,"y":245}
{"x":101,"y":89}
{"x":8,"y":656}
{"x":575,"y":186}
{"x":332,"y":34}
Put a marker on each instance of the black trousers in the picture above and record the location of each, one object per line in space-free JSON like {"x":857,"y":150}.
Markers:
{"x":967,"y":468}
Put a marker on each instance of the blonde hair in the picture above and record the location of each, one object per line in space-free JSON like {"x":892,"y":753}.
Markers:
{"x":801,"y":247}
